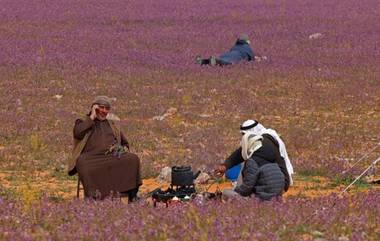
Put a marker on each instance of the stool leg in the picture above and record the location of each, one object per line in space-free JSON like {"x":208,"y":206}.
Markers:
{"x":78,"y":187}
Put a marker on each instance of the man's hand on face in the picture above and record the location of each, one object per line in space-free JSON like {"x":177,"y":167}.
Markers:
{"x":93,"y":111}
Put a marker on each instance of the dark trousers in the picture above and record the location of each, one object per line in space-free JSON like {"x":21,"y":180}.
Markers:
{"x":217,"y":62}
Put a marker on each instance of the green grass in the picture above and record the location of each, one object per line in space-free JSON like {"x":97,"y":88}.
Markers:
{"x":310,"y":173}
{"x":309,"y":178}
{"x":7,"y":193}
{"x":359,"y":184}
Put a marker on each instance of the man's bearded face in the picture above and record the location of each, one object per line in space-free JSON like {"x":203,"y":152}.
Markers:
{"x":102,"y":112}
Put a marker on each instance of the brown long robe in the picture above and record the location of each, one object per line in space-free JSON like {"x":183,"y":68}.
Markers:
{"x":103,"y":173}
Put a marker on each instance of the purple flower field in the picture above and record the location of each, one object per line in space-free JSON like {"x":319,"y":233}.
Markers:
{"x":353,"y":218}
{"x":318,"y":86}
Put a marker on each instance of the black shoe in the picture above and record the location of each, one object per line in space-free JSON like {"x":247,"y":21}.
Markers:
{"x":132,"y":195}
{"x":134,"y":199}
{"x":123,"y":194}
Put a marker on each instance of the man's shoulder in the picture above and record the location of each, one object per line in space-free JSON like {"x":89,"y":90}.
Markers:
{"x":82,"y":118}
{"x":113,"y":118}
{"x":252,"y":162}
{"x":269,"y":137}
{"x":114,"y":122}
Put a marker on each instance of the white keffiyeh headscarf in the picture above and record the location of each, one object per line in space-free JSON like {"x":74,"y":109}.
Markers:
{"x":249,"y":144}
{"x":258,"y":129}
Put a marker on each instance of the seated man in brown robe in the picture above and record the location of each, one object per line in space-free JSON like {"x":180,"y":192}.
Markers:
{"x":101,"y":155}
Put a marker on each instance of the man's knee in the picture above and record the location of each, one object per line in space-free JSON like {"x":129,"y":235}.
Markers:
{"x":133,"y":157}
{"x":229,"y":193}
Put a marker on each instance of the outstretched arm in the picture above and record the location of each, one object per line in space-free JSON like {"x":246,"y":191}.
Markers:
{"x":234,"y":159}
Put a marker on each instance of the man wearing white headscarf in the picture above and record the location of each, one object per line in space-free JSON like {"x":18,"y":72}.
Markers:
{"x":260,"y":176}
{"x":273,"y":150}
{"x":258,"y":129}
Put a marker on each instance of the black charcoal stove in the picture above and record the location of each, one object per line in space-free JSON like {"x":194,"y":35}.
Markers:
{"x":182,"y":185}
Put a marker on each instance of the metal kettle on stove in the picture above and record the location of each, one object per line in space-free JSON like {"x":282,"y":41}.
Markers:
{"x":183,"y":176}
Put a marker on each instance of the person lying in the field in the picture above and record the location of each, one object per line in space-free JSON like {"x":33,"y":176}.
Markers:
{"x":240,"y":52}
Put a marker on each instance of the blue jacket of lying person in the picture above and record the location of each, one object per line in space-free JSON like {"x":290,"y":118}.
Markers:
{"x":239,"y":52}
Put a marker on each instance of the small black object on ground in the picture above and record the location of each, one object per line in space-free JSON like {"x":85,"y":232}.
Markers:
{"x":182,"y":187}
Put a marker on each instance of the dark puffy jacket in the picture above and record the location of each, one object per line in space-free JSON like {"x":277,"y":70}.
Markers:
{"x":240,"y":51}
{"x":269,"y":152}
{"x":264,"y":181}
